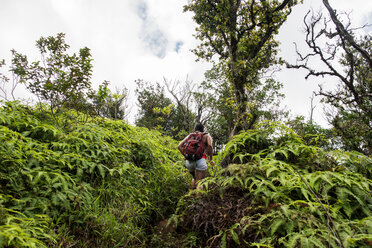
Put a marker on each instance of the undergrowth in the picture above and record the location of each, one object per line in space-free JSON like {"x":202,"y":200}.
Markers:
{"x":279,"y":192}
{"x":104,"y":183}
{"x":100,"y":183}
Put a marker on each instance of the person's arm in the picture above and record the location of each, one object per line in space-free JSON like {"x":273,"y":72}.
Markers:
{"x":210,"y":148}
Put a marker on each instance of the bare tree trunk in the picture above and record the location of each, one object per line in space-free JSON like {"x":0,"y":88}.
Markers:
{"x":312,"y":107}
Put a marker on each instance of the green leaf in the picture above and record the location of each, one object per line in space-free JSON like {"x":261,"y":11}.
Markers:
{"x":293,"y":240}
{"x":277,"y":223}
{"x":234,"y":236}
{"x":271,"y":170}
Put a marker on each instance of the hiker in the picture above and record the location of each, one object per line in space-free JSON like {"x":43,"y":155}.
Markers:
{"x":196,"y":147}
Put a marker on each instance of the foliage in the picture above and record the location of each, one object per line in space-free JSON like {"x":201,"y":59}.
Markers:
{"x":150,"y":98}
{"x":352,"y":120}
{"x":312,"y":133}
{"x":263,"y":101}
{"x":241,"y":33}
{"x":280,"y":192}
{"x":62,"y":80}
{"x":219,"y":97}
{"x":109,"y":104}
{"x":188,"y":108}
{"x":100,"y":185}
{"x":157,"y":111}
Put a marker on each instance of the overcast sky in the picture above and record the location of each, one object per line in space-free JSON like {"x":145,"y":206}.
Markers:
{"x":147,"y":39}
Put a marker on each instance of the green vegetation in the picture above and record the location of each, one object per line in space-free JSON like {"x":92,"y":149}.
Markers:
{"x":241,"y":34}
{"x":101,"y":185}
{"x":158,"y":112}
{"x":73,"y":173}
{"x":108,"y":184}
{"x":279,"y":192}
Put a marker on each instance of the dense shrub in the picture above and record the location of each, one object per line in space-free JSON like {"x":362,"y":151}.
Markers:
{"x":100,"y":183}
{"x":279,"y":192}
{"x":104,"y":183}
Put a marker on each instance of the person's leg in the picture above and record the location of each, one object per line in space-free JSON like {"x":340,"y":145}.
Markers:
{"x":193,"y":184}
{"x":199,"y":175}
{"x":200,"y":170}
{"x":191,"y":168}
{"x":193,"y":181}
{"x":192,"y":173}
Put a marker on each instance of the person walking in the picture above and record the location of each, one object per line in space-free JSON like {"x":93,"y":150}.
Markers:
{"x":197,"y":147}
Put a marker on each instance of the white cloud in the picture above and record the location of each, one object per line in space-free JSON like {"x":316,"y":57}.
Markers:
{"x":151,"y":35}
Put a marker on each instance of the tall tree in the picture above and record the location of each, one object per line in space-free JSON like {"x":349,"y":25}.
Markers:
{"x":60,"y":79}
{"x":196,"y":102}
{"x":218,"y":94}
{"x":184,"y":101}
{"x":111,"y":104}
{"x":157,"y":111}
{"x":154,"y":106}
{"x":335,"y":45}
{"x":241,"y":33}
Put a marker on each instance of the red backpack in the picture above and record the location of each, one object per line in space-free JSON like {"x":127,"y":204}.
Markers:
{"x":194,"y":147}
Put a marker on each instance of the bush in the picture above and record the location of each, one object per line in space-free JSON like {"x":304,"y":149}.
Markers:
{"x":279,"y":192}
{"x":102,"y":183}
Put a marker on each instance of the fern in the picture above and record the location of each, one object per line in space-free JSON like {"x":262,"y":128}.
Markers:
{"x":292,"y":194}
{"x":74,"y":173}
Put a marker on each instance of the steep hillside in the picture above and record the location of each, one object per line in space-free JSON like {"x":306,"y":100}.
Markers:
{"x":279,"y":192}
{"x":77,"y":181}
{"x":97,"y":183}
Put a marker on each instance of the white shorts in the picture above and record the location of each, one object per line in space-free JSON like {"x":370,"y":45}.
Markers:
{"x":200,"y":165}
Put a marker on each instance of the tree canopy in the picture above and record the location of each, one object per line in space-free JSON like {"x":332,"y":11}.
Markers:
{"x":241,"y":34}
{"x":60,"y":79}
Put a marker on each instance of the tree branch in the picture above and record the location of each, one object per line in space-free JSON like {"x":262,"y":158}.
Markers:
{"x":346,"y":35}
